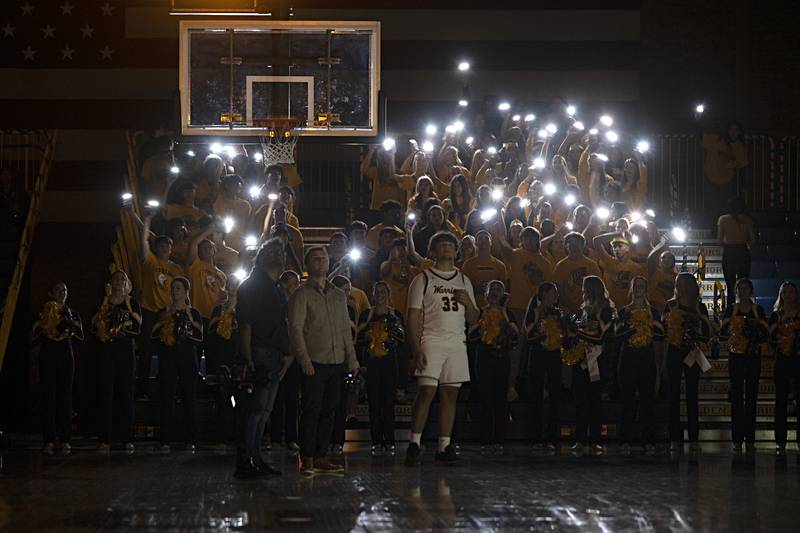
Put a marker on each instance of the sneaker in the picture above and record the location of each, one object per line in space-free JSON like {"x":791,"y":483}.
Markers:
{"x":551,"y":447}
{"x":576,"y":449}
{"x":66,"y":449}
{"x":337,"y":449}
{"x":306,"y":465}
{"x":389,"y":450}
{"x":376,"y":450}
{"x":323,"y":465}
{"x":447,"y":457}
{"x":413,"y":454}
{"x":499,"y":449}
{"x":780,"y":449}
{"x":625,"y":448}
{"x":737,"y":447}
{"x":266,"y":467}
{"x":48,"y":448}
{"x":598,"y":449}
{"x":750,"y":447}
{"x":248,"y":470}
{"x":103,"y":447}
{"x":293,"y":447}
{"x":129,"y":448}
{"x":457,"y":448}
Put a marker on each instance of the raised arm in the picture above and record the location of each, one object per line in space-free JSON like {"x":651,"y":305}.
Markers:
{"x":192,"y":257}
{"x":602,"y":240}
{"x":145,"y":235}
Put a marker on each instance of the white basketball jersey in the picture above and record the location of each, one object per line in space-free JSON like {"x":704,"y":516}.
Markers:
{"x":443,"y":318}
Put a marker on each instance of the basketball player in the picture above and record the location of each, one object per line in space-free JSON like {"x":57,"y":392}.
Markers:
{"x":440,"y":303}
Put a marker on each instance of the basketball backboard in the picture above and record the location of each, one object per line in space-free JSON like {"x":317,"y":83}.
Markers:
{"x":237,"y":75}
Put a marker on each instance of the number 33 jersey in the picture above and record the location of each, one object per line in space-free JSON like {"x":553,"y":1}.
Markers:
{"x":434,"y":291}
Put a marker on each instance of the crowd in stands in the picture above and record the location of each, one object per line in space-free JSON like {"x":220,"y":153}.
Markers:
{"x":570,"y":273}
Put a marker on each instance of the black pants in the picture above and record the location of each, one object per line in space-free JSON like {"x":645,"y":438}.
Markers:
{"x":492,"y":370}
{"x":676,"y":368}
{"x":381,"y":383}
{"x":787,"y":376}
{"x":735,"y":265}
{"x":222,"y":352}
{"x":588,"y":407}
{"x":147,"y":348}
{"x":340,"y":418}
{"x":320,"y":397}
{"x":178,"y":364}
{"x":545,"y":366}
{"x":117,"y":368}
{"x":637,"y":375}
{"x":744,"y":371}
{"x":283,"y":420}
{"x":56,"y":371}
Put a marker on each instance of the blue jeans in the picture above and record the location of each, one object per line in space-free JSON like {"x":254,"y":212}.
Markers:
{"x":257,"y":406}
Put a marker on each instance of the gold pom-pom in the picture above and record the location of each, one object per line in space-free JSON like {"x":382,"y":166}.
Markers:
{"x":641,"y":322}
{"x":551,"y":329}
{"x":490,"y":325}
{"x":737,"y":343}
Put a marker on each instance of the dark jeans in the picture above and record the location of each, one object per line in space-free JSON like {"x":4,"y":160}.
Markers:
{"x":735,"y":265}
{"x":787,"y":376}
{"x":545,"y":366}
{"x":339,"y":433}
{"x":117,"y":368}
{"x":178,"y":364}
{"x":676,"y":368}
{"x":320,"y":397}
{"x":283,"y":420}
{"x":147,"y":349}
{"x":56,"y":371}
{"x":222,"y":352}
{"x":493,"y":386}
{"x":257,"y":405}
{"x":381,"y":383}
{"x":637,"y":375}
{"x":744,"y":371}
{"x":588,"y":409}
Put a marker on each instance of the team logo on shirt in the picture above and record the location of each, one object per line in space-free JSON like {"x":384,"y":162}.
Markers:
{"x":162,"y":279}
{"x":623,"y":279}
{"x":211,"y":280}
{"x":577,"y":275}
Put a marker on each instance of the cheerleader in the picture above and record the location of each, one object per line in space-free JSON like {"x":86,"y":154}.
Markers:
{"x":496,"y":336}
{"x":380,"y":333}
{"x":179,"y":332}
{"x":784,"y":326}
{"x":116,"y":325}
{"x":544,"y":331}
{"x":746,"y":328}
{"x":597,"y":318}
{"x":687,"y":330}
{"x":56,"y":327}
{"x":222,"y":342}
{"x":638,"y":327}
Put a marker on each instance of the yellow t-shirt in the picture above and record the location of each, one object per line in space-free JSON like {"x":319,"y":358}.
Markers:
{"x":226,"y":258}
{"x":660,"y":288}
{"x":617,"y":275}
{"x":399,"y":278}
{"x":359,"y":301}
{"x":568,"y":275}
{"x":190,"y":214}
{"x":208,"y":286}
{"x":722,"y":160}
{"x":233,"y":207}
{"x":528,"y":271}
{"x":374,"y":233}
{"x":480,"y":272}
{"x":391,"y":189}
{"x":157,"y":275}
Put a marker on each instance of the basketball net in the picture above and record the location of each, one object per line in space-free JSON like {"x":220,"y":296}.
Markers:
{"x":279,"y":143}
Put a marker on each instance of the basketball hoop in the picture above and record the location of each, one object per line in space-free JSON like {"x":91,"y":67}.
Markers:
{"x":280,"y":140}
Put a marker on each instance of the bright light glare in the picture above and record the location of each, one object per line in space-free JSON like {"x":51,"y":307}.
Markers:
{"x":635,"y":216}
{"x":538,"y":163}
{"x":152,"y":203}
{"x":255,"y":191}
{"x":642,"y":146}
{"x":389,"y":144}
{"x":463,"y":103}
{"x":530,"y":117}
{"x":272,"y":196}
{"x":570,"y":226}
{"x":634,"y":239}
{"x":516,"y":118}
{"x":216,"y":148}
{"x":612,"y":136}
{"x":551,"y":128}
{"x":470,"y":139}
{"x":463,"y":66}
{"x":258,"y":157}
{"x":602,"y":213}
{"x":175,"y":170}
{"x":571,"y":110}
{"x":497,"y":194}
{"x":190,"y":153}
{"x":231,"y":151}
{"x":504,"y":106}
{"x":431,"y":129}
{"x":126,"y":196}
{"x":542,"y":134}
{"x":524,"y":203}
{"x":427,"y":146}
{"x":411,"y":216}
{"x":458,"y":125}
{"x":679,"y":234}
{"x":602,"y":157}
{"x":569,"y":199}
{"x":450,"y":128}
{"x":229,"y":223}
{"x":240,"y":275}
{"x":488,"y":214}
{"x":578,"y":125}
{"x":492,"y":150}
{"x":649,"y":212}
{"x":606,"y":121}
{"x":593,"y":131}
{"x":700,"y":108}
{"x":251,"y":240}
{"x":355,"y":254}
{"x":549,"y":189}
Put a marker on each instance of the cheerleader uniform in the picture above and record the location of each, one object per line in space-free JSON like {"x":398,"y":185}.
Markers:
{"x":637,"y":371}
{"x":178,"y":341}
{"x":545,"y":339}
{"x":787,"y":369}
{"x":117,"y":329}
{"x":744,"y":368}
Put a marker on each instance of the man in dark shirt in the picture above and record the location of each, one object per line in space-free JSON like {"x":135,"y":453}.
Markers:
{"x":261,"y":312}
